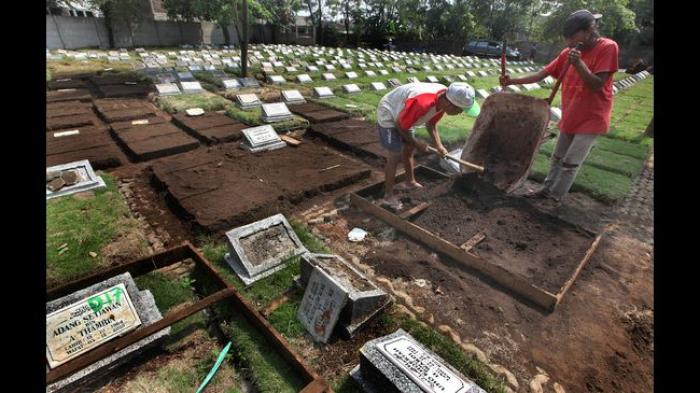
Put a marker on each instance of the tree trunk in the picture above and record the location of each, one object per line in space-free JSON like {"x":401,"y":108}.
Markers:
{"x":347,"y":21}
{"x":227,"y":36}
{"x":244,"y":44}
{"x":108,"y":23}
{"x":320,"y":23}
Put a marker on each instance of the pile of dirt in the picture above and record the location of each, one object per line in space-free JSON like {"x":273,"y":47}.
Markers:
{"x":118,"y":110}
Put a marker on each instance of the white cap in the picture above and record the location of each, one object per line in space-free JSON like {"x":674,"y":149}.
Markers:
{"x":460,"y":94}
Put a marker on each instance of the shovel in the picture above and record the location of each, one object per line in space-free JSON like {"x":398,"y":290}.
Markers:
{"x":457,"y":160}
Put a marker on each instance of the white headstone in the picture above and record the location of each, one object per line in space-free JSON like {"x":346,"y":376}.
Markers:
{"x":277,"y":111}
{"x":248,"y":100}
{"x":413,"y":79}
{"x":312,"y":68}
{"x":261,"y":138}
{"x":320,"y":307}
{"x":432,"y":79}
{"x":351,"y":75}
{"x":231,"y":84}
{"x":482,"y":93}
{"x":304,"y":78}
{"x":378,"y":86}
{"x":328,"y":76}
{"x":370,"y":73}
{"x":168,"y":89}
{"x":323,"y":92}
{"x":292,"y":97}
{"x":276,"y":79}
{"x":330,"y":67}
{"x":191,"y":87}
{"x":351,"y":88}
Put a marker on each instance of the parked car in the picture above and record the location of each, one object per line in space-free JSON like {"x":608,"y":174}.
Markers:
{"x":488,"y":48}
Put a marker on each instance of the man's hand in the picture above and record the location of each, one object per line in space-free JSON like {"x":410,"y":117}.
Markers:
{"x":441,"y":150}
{"x":505,"y":80}
{"x":574,"y":56}
{"x":422,"y":146}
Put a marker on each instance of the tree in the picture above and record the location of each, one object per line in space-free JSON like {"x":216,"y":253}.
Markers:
{"x":618,"y":20}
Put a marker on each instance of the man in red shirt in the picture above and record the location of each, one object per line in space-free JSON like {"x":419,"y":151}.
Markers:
{"x":586,"y":92}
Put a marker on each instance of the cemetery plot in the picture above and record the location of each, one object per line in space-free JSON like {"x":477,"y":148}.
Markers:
{"x":66,"y":83}
{"x":146,"y":142}
{"x":87,"y":119}
{"x":534,"y":254}
{"x":226,"y":186}
{"x":68,"y":95}
{"x":357,"y":136}
{"x":68,"y":108}
{"x":120,"y":85}
{"x":118,"y":110}
{"x":84,"y":143}
{"x":317,"y":113}
{"x":211,"y":127}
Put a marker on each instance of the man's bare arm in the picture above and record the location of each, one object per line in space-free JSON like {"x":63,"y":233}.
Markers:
{"x":533,"y":78}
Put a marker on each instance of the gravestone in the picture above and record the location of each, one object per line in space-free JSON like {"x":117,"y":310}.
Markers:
{"x":304,"y":78}
{"x":292,"y":97}
{"x":191,"y":87}
{"x":92,"y":316}
{"x":427,"y":68}
{"x":275,"y":112}
{"x":439,"y":68}
{"x":278,"y":64}
{"x":531,"y":86}
{"x":431,"y":79}
{"x":291,"y":69}
{"x":351,"y":75}
{"x":370,"y":73}
{"x":413,"y":79}
{"x":168,"y":89}
{"x":249,"y":82}
{"x":329,"y":67}
{"x":496,"y":89}
{"x":483,"y":73}
{"x":482,"y":93}
{"x":195,"y":67}
{"x":328,"y":76}
{"x":471,"y":74}
{"x":378,"y":86}
{"x":276,"y":79}
{"x":393,"y":82}
{"x":320,"y":308}
{"x":323,"y":92}
{"x":365,"y":298}
{"x":67,"y":179}
{"x":346,"y":66}
{"x":264,"y":247}
{"x":549,"y":80}
{"x":247,"y":101}
{"x":398,"y":363}
{"x":462,"y":78}
{"x":513,"y":88}
{"x":231,"y":84}
{"x":554,"y":114}
{"x":396,"y":69}
{"x":362,"y":65}
{"x":312,"y":68}
{"x":615,"y":89}
{"x":351,"y":88}
{"x":447,"y":79}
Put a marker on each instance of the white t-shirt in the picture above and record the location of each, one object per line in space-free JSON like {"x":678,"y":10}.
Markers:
{"x":410,"y":105}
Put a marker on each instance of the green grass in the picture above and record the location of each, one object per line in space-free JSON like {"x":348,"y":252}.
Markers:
{"x":605,"y":159}
{"x":252,"y":118}
{"x":632,"y":113}
{"x":85,"y":226}
{"x":605,"y":186}
{"x":205,"y":100}
{"x":166,"y":291}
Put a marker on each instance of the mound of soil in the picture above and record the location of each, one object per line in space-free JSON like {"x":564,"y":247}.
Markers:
{"x":357,"y":136}
{"x":92,"y":143}
{"x":211,"y":127}
{"x":317,"y":113}
{"x":68,"y":95}
{"x":147,"y":142}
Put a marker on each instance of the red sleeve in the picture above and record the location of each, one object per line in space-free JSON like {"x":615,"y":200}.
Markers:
{"x":606,"y":61}
{"x":415,"y":108}
{"x":556,"y":66}
{"x":433,"y":120}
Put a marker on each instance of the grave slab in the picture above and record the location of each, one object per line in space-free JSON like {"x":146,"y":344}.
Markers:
{"x":262,"y":248}
{"x":351,"y":88}
{"x":292,"y":97}
{"x":261,"y":138}
{"x":323,"y":92}
{"x":87,"y":179}
{"x":321,"y":305}
{"x":146,"y":311}
{"x":275,"y":112}
{"x":398,"y":363}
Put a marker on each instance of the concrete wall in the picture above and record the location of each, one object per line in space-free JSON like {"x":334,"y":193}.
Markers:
{"x":70,"y":32}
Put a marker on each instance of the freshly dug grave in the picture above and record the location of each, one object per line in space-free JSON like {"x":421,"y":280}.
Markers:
{"x":71,"y":121}
{"x":357,"y":136}
{"x":68,"y":108}
{"x":520,"y":238}
{"x":68,"y":95}
{"x":151,"y":120}
{"x":124,"y":90}
{"x":224,"y":186}
{"x":317,"y":113}
{"x":211,"y":127}
{"x":116,"y":110}
{"x":66,"y":83}
{"x":115,"y":79}
{"x":151,"y":141}
{"x":92,"y":143}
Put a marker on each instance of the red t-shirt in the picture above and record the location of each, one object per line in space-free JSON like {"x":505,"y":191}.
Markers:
{"x":584,"y":111}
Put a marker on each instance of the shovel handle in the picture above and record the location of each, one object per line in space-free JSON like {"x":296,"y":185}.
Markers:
{"x":503,"y":62}
{"x":462,"y":162}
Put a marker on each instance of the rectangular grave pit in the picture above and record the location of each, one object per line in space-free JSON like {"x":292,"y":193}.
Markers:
{"x":249,"y":186}
{"x":532,"y":253}
{"x":83,"y":143}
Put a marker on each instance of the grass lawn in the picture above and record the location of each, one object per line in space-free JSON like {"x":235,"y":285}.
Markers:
{"x":205,"y":100}
{"x":252,"y":118}
{"x":82,"y":226}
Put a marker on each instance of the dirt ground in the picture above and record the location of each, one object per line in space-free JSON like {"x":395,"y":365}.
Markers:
{"x":599,"y":339}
